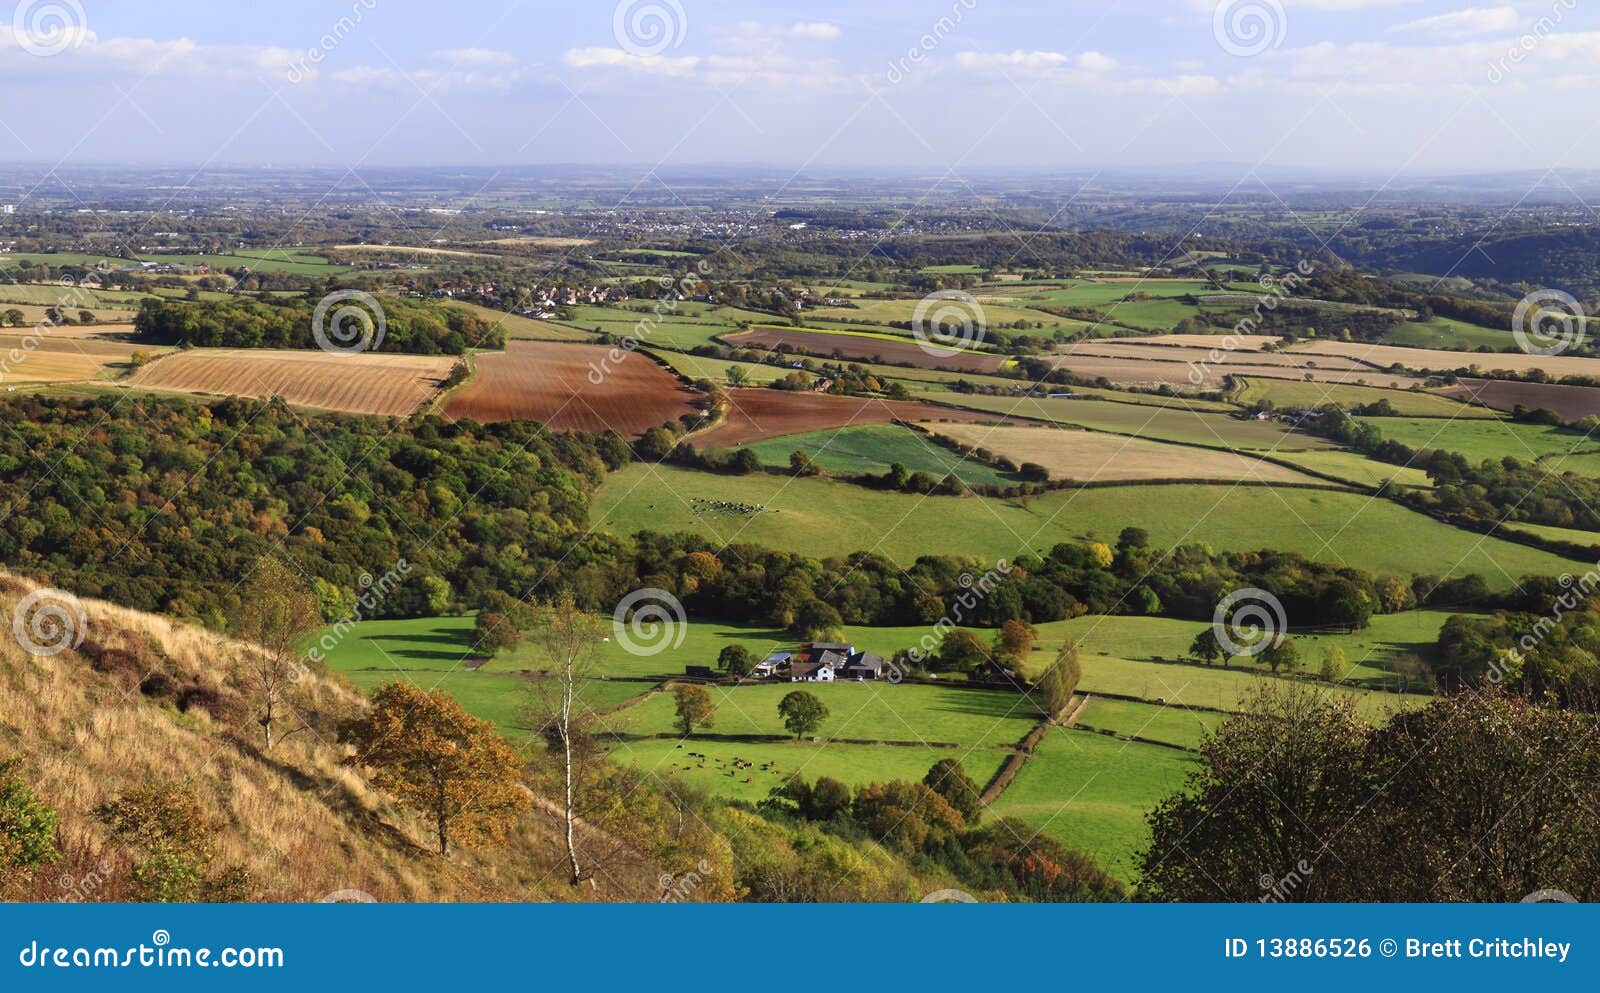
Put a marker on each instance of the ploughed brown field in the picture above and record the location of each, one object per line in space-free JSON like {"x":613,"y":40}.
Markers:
{"x":366,"y":383}
{"x":759,"y":414}
{"x":572,"y":387}
{"x":1573,"y":403}
{"x":825,"y":345}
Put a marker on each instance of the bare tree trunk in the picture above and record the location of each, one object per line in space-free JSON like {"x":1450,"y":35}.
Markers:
{"x":566,"y":747}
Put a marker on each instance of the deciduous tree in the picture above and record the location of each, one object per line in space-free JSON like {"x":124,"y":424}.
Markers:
{"x":802,"y":713}
{"x":440,"y":760}
{"x":277,"y":612}
{"x":693,"y":706}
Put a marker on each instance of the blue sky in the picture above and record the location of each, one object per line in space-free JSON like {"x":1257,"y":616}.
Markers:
{"x":929,"y":86}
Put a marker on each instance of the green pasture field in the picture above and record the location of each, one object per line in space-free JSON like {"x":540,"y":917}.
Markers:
{"x":1203,"y":426}
{"x":1153,"y":315}
{"x":522,"y":328}
{"x":1574,"y":535}
{"x":73,"y":298}
{"x":1410,"y":403}
{"x":822,"y":517}
{"x":668,"y":330}
{"x":1482,"y":438}
{"x":1448,"y":333}
{"x":668,"y":759}
{"x":1356,"y":468}
{"x":1214,"y":686}
{"x":267,"y":260}
{"x":432,"y":653}
{"x":1368,"y":653}
{"x":1173,"y":725}
{"x":884,"y":311}
{"x":716,"y":370}
{"x":867,"y":711}
{"x":1101,"y":294}
{"x":872,"y":448}
{"x":1092,"y":792}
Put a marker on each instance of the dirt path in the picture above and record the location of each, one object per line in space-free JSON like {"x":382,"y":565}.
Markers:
{"x":1024,"y":750}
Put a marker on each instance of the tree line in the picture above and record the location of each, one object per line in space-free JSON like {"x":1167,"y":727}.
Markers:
{"x":411,"y":326}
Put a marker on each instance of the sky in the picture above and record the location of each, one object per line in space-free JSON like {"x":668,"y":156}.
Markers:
{"x":924,"y":85}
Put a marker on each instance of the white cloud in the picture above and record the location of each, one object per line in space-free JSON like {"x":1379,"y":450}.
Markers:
{"x":475,"y":57}
{"x":1029,"y":61}
{"x":616,"y":58}
{"x":817,"y":30}
{"x":1096,"y":62}
{"x":1463,"y":23}
{"x":1035,"y":62}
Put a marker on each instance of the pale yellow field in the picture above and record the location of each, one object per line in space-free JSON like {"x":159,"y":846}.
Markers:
{"x":1180,"y":375}
{"x":54,"y":357}
{"x":1250,"y":342}
{"x":1438,"y":359}
{"x":1090,"y":456}
{"x":391,"y":384}
{"x":1171,"y":352}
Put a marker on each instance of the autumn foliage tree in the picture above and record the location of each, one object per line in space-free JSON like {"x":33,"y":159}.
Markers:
{"x":276,"y":614}
{"x":693,"y":706}
{"x":441,"y":761}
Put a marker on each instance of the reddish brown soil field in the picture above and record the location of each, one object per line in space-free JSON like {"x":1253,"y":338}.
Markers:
{"x":824,"y":345}
{"x":1571,"y":402}
{"x":758,"y":414}
{"x":572,"y":387}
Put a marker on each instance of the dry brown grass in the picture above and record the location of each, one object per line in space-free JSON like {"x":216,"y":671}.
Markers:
{"x":301,"y":822}
{"x":1094,"y":456}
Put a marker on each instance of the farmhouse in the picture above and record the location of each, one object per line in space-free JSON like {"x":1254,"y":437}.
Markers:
{"x":821,"y":662}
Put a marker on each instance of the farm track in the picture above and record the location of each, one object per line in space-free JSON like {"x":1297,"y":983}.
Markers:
{"x":1013,"y":764}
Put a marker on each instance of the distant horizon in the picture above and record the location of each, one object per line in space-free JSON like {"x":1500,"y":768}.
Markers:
{"x":959,"y":87}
